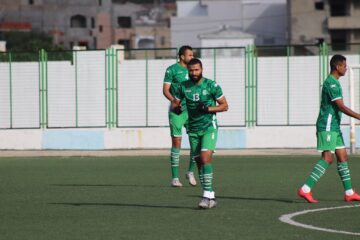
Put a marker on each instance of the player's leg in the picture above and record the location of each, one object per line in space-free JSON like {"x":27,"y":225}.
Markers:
{"x":195,"y":147}
{"x":192,"y":162}
{"x":176,"y":135}
{"x":343,"y":170}
{"x":208,"y":143}
{"x":326,"y":144}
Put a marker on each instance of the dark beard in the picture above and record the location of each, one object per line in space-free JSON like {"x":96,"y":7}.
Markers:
{"x":196,"y":80}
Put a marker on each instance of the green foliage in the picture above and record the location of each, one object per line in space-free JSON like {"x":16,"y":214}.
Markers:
{"x":29,"y":42}
{"x":25,"y":46}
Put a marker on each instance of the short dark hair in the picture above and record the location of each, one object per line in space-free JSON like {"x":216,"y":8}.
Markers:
{"x":183,"y":49}
{"x":336,"y":60}
{"x":195,"y":61}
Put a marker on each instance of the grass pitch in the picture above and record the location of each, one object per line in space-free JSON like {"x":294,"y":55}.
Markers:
{"x":131,"y":198}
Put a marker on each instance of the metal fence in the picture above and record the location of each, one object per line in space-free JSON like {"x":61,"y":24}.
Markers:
{"x":265,"y":86}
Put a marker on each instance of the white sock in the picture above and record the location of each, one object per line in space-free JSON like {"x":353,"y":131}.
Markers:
{"x":209,"y":194}
{"x":349,"y":192}
{"x":306,"y":188}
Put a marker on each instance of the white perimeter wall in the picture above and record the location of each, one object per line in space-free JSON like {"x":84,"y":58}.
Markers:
{"x":83,"y":82}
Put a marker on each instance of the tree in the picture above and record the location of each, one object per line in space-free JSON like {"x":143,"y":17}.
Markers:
{"x":25,"y":46}
{"x":29,"y":42}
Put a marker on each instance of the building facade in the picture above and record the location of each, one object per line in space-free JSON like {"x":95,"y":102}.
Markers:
{"x":333,"y":21}
{"x":264,"y":19}
{"x":95,"y":24}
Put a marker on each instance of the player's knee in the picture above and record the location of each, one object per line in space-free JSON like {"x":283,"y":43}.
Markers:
{"x":176,"y":142}
{"x":343,"y":159}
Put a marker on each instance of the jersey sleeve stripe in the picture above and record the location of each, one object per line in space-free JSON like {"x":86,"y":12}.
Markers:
{"x":336,"y":99}
{"x":220,"y":97}
{"x":169,"y":83}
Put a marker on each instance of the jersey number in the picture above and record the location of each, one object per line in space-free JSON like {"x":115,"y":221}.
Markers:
{"x":196,"y":97}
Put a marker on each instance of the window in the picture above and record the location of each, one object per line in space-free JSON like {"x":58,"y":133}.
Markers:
{"x":146,"y":43}
{"x":84,"y":44}
{"x":338,"y":9}
{"x":319,"y":5}
{"x":31,"y":2}
{"x":95,"y":42}
{"x":124,"y":22}
{"x":125,"y":43}
{"x":356,"y":4}
{"x":162,"y":40}
{"x":338,"y":40}
{"x":92,"y":22}
{"x":78,"y":21}
{"x":357,"y":35}
{"x":100,"y":2}
{"x":100,"y":28}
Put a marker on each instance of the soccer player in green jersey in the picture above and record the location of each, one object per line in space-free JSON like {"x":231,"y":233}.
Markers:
{"x":178,"y":117}
{"x":329,"y":136}
{"x":201,"y":96}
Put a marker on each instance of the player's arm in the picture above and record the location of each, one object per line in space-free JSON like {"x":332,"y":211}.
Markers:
{"x":341,"y":106}
{"x":175,"y":103}
{"x":222,"y":106}
{"x":168,"y":79}
{"x":166,"y":92}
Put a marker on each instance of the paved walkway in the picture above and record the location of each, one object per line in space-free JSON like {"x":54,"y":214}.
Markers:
{"x":151,"y":152}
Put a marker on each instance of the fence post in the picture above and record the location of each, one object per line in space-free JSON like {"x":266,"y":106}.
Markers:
{"x":323,"y":64}
{"x":288,"y":53}
{"x":147,"y":86}
{"x":76,"y":88}
{"x":111,"y":86}
{"x":214,"y":50}
{"x":251,"y":86}
{"x":10,"y":86}
{"x":43,"y":89}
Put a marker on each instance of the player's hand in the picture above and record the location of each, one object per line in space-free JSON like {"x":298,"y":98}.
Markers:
{"x":203,"y":108}
{"x":177,"y":110}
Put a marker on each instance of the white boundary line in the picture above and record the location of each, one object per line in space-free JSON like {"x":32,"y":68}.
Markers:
{"x":287,"y":218}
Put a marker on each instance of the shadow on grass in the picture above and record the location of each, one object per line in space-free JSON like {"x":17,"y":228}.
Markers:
{"x":280,"y":199}
{"x":108,"y":185}
{"x":284,"y":200}
{"x":122,"y":205}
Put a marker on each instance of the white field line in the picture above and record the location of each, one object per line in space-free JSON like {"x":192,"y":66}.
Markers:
{"x":287,"y":218}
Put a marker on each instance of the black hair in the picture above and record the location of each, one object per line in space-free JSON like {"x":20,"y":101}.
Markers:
{"x":195,"y":61}
{"x":336,"y":60}
{"x":183,"y":49}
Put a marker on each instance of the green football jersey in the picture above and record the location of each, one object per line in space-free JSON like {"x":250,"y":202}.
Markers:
{"x":206,"y":91}
{"x":329,"y":116}
{"x":174,"y":75}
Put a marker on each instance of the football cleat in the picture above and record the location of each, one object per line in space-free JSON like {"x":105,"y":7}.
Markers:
{"x":191,"y":178}
{"x":353,"y":197}
{"x":176,"y":183}
{"x":207,"y":203}
{"x":307,"y":196}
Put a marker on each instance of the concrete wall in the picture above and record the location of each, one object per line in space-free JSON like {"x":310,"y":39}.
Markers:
{"x":158,"y":138}
{"x":288,"y":93}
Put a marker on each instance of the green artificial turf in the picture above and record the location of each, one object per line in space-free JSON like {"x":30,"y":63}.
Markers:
{"x":131,"y":198}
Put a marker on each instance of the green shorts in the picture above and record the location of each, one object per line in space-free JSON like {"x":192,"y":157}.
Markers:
{"x":177,"y":122}
{"x":329,"y":141}
{"x":203,"y":141}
